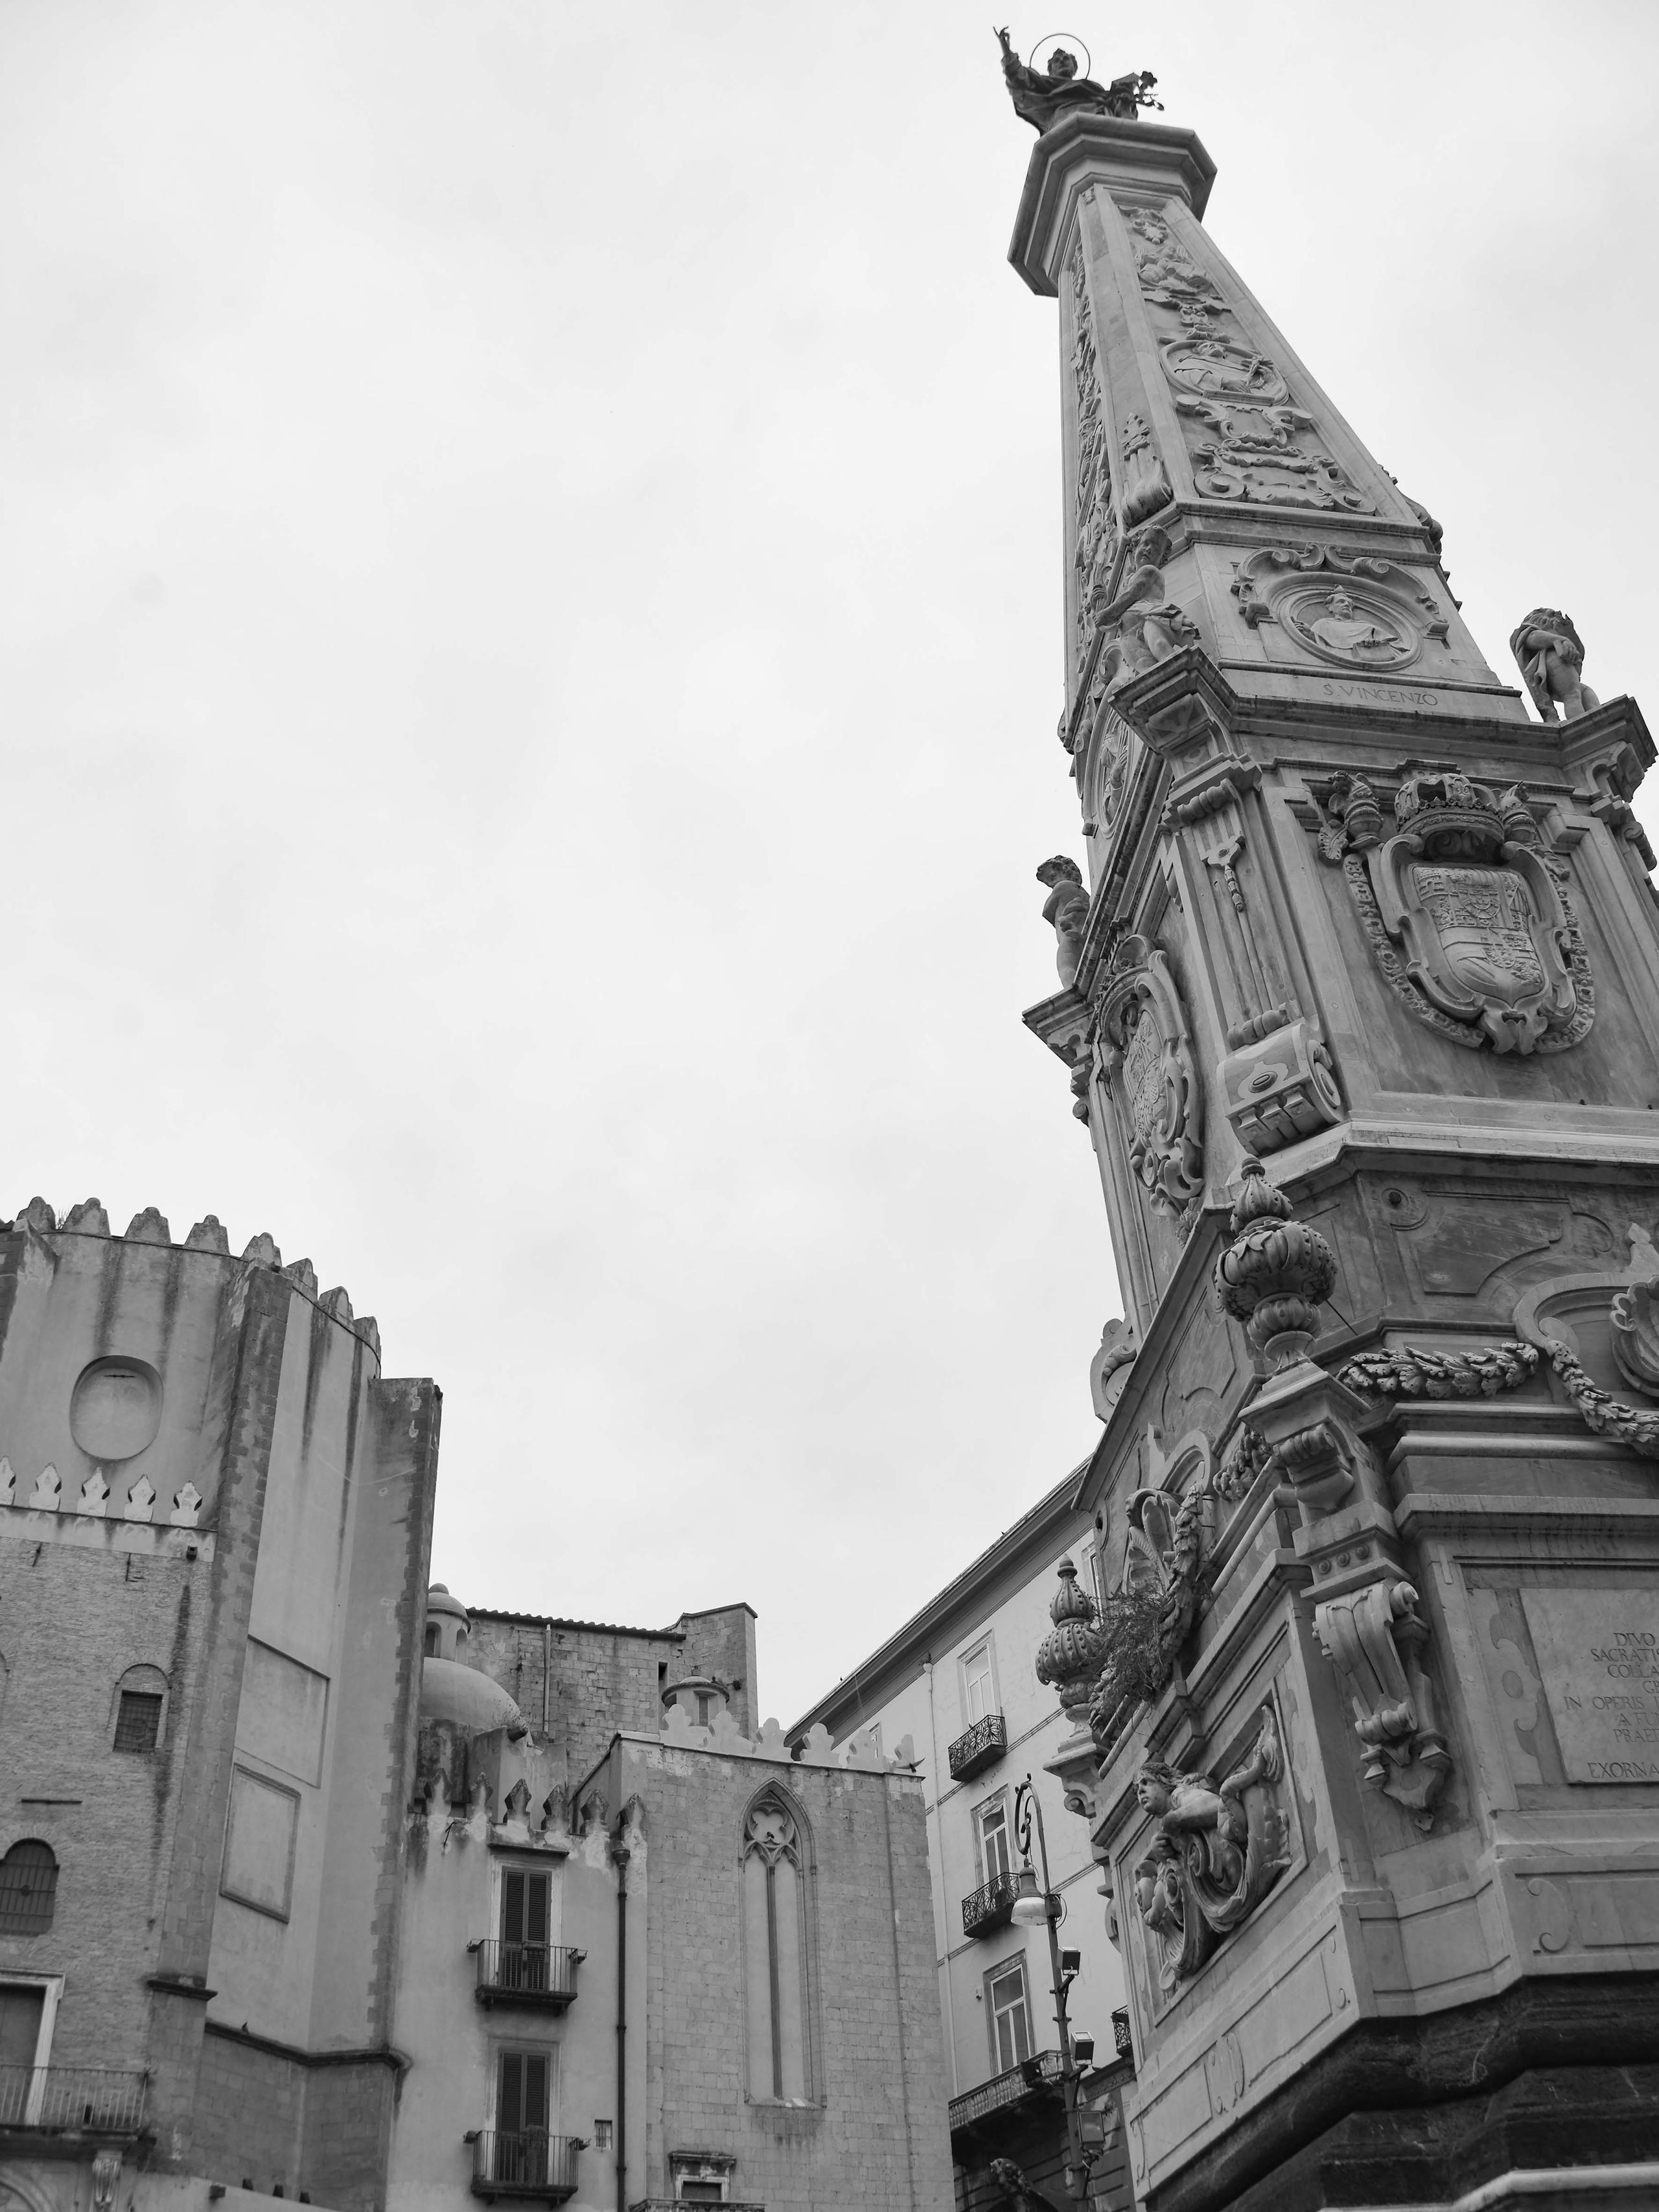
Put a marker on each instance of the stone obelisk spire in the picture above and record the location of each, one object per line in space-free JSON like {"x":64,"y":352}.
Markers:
{"x":1361,"y":1005}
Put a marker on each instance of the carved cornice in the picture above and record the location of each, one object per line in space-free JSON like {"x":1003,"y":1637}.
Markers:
{"x":1082,"y":149}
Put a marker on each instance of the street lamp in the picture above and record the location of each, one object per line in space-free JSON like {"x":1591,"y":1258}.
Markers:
{"x":1034,"y":1906}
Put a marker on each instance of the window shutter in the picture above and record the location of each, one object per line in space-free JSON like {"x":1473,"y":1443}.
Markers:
{"x":513,"y":1908}
{"x":509,"y":2104}
{"x":535,"y":2091}
{"x":536,"y":1887}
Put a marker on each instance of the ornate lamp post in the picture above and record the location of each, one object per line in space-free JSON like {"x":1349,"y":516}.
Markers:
{"x":1033,"y":1905}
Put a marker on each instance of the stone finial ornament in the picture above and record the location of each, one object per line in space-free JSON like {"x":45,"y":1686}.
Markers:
{"x":1041,"y":97}
{"x":1069,"y":1657}
{"x":1551,"y":655}
{"x":1067,"y":909}
{"x":1276,"y":1272}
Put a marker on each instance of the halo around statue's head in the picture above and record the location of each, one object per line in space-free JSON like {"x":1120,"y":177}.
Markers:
{"x":1043,"y":51}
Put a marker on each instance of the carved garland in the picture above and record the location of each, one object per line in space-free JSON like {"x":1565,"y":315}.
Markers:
{"x":1409,"y":1370}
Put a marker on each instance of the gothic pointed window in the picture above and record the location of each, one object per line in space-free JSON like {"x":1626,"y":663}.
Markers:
{"x":777,"y":1951}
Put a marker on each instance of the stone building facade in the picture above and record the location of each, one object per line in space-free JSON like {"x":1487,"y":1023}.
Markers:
{"x":1360,"y":1009}
{"x":687,"y":1965}
{"x":960,"y":1680}
{"x":314,"y":1887}
{"x":215,"y":1521}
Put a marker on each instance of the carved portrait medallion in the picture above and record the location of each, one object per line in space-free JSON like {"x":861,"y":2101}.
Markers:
{"x":1353,"y":628}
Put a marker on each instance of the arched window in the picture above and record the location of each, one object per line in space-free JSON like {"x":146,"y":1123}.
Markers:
{"x":778,"y":1952}
{"x":28,"y":1888}
{"x":140,"y":1712}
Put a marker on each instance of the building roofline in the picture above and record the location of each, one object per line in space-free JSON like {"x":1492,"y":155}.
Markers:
{"x":1059,"y":1503}
{"x":706,"y":1612}
{"x":595,"y":1627}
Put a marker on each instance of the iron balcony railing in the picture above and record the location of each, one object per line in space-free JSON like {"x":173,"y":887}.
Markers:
{"x":978,"y":1747}
{"x":527,"y":1973}
{"x":531,"y":2163}
{"x":90,"y":2099}
{"x":1031,"y":2075}
{"x":989,"y":1906}
{"x":1122,"y":2035}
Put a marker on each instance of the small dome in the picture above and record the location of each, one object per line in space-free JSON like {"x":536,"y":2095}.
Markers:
{"x":464,"y":1695}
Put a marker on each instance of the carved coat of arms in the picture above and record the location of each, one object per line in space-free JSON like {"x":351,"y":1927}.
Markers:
{"x":1147,"y":1060}
{"x":1472,"y":925}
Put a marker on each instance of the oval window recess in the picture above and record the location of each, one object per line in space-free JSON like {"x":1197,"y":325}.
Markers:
{"x":116,"y":1408}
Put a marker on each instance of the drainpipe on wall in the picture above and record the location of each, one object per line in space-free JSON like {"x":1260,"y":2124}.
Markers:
{"x":944,"y":1893}
{"x":547,"y":1672}
{"x":622,"y":2031}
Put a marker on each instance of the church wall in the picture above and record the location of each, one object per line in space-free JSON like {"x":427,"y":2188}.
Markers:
{"x":877,"y":2134}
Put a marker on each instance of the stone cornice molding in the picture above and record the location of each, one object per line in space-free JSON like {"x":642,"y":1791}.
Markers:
{"x":1084,"y":148}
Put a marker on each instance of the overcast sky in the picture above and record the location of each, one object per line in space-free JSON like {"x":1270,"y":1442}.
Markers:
{"x":531,"y":646}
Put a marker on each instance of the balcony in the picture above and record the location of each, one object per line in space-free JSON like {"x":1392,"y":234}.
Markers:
{"x":990,"y":1906}
{"x":527,"y":1974}
{"x":1031,"y":2078}
{"x":72,"y":2100}
{"x":978,"y":1747}
{"x":532,"y":2164}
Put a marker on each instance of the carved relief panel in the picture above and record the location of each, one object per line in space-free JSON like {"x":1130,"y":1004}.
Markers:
{"x":1249,"y":440}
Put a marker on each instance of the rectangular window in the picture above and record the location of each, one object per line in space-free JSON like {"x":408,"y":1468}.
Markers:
{"x":527,"y":1915}
{"x":523,"y":2104}
{"x":22,"y":2011}
{"x":978,"y":1689}
{"x":996,"y":1845}
{"x":1010,"y":2021}
{"x":138,"y":1723}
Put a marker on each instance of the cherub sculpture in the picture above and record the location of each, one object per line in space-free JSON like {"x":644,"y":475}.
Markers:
{"x":1067,"y":907}
{"x":1551,"y":657}
{"x":1043,"y":97}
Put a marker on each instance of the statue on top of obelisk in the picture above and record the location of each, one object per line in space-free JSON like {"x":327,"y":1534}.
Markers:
{"x":1042,"y":96}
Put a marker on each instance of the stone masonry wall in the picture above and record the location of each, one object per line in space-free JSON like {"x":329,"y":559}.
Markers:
{"x":877,"y":2138}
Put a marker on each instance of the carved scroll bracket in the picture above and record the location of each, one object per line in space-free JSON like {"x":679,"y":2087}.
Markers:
{"x":1374,"y":1637}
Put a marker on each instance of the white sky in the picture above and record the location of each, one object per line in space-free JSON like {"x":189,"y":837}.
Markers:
{"x":531,"y":646}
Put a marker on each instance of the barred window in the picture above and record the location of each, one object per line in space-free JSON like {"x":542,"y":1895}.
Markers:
{"x":28,"y":1888}
{"x":138,"y":1723}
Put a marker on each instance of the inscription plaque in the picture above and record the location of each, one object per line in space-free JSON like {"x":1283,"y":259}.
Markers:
{"x":1598,"y":1653}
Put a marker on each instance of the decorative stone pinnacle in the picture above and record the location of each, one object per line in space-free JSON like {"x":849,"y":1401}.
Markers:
{"x":1070,"y":1656}
{"x":1276,"y":1272}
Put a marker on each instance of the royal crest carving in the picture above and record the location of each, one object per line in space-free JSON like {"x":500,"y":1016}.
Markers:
{"x":1472,"y":925}
{"x":1219,"y":1847}
{"x":1374,"y":1639}
{"x":1146,"y":1061}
